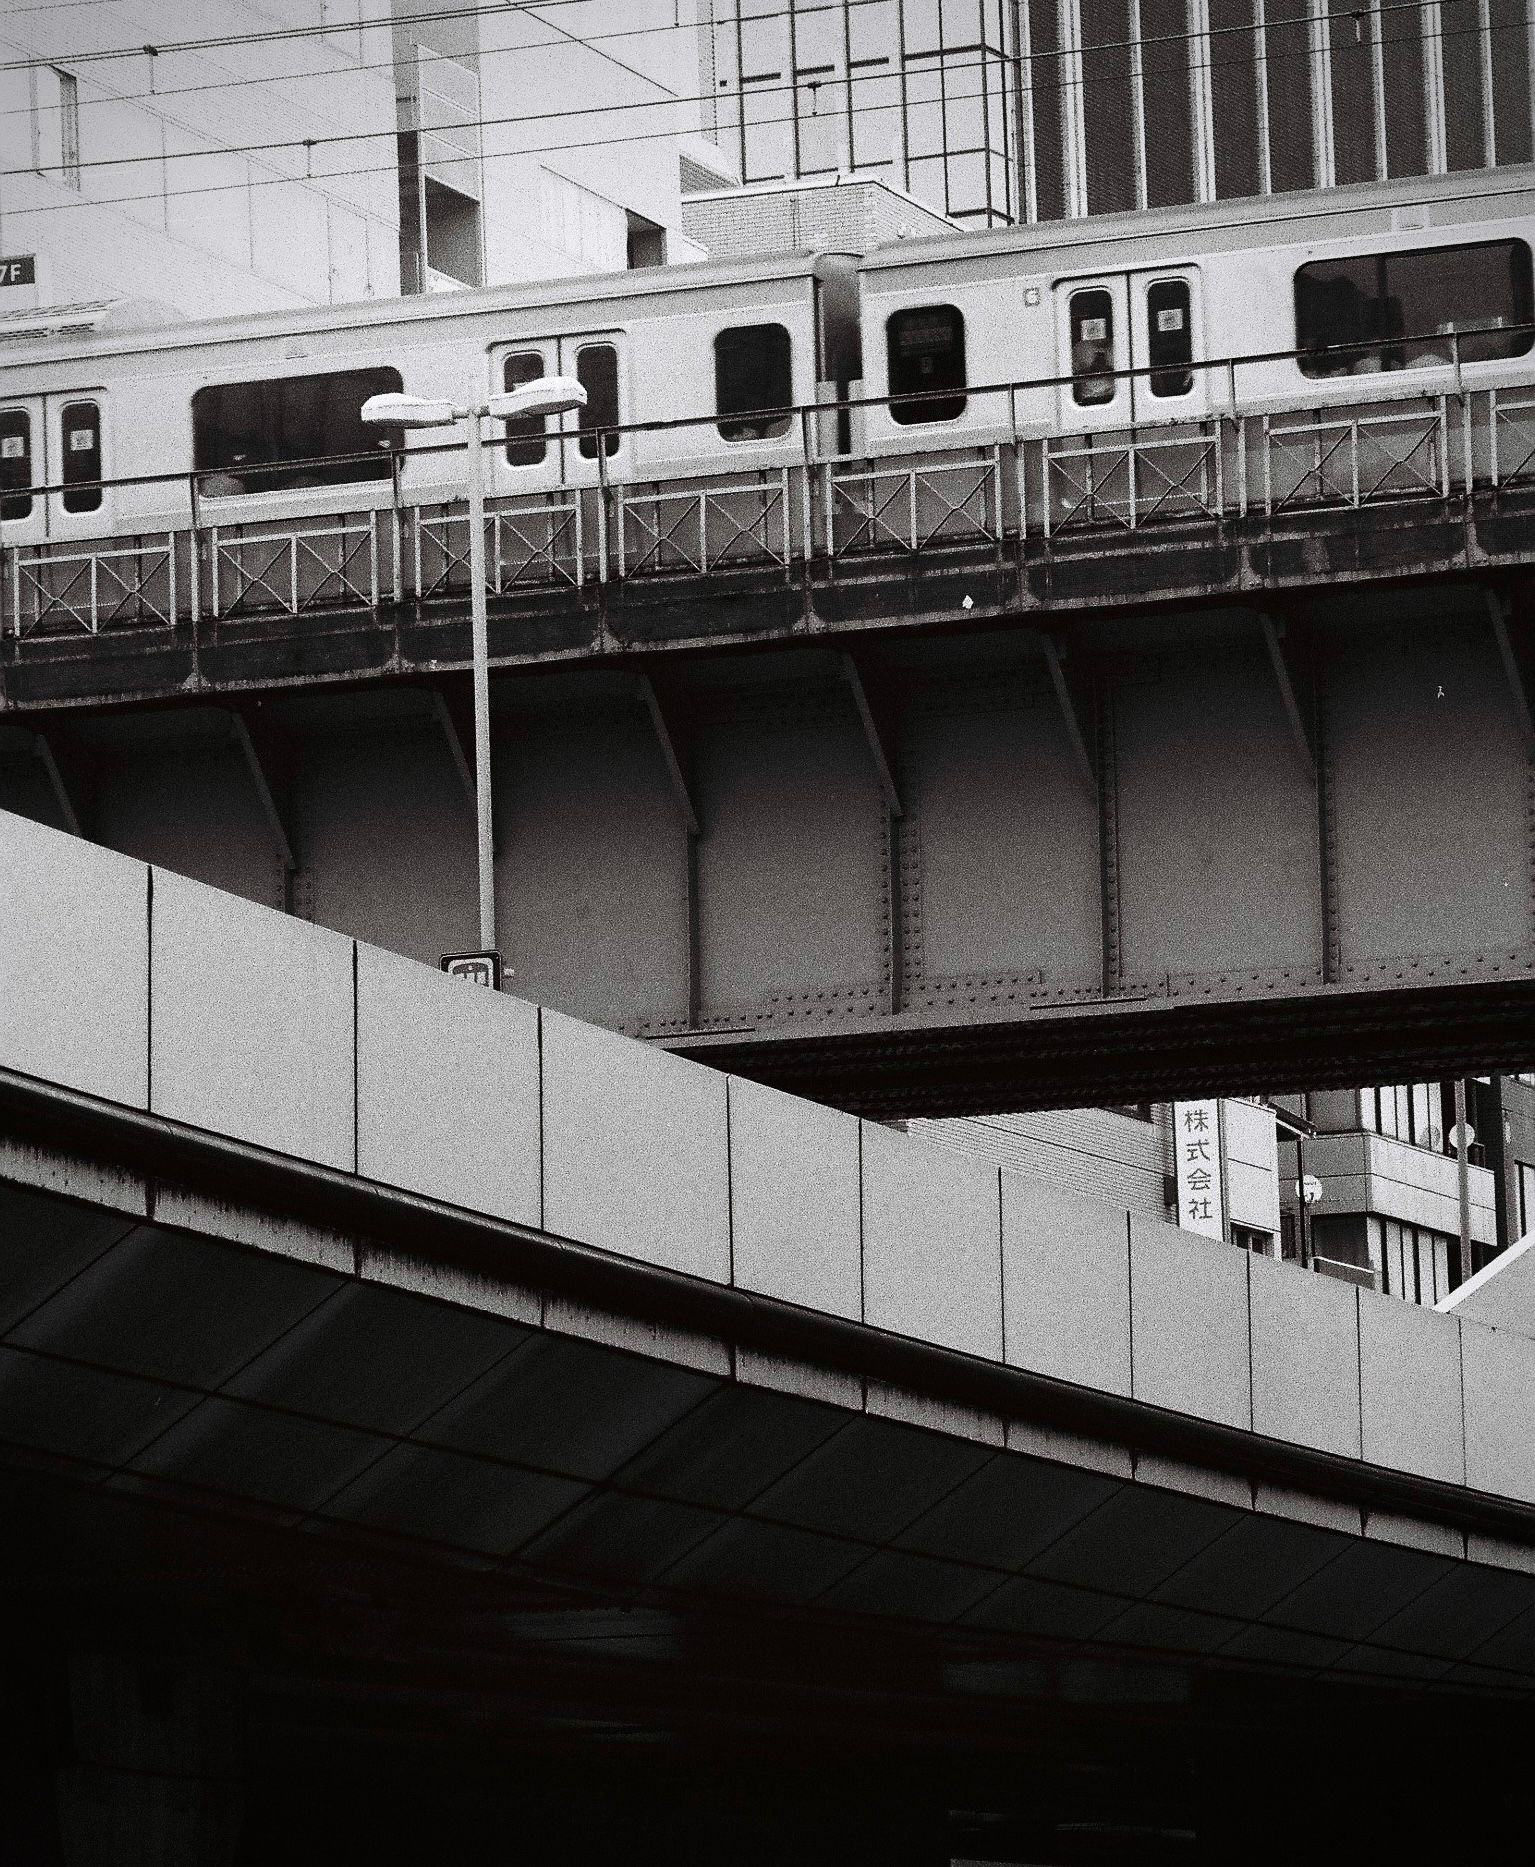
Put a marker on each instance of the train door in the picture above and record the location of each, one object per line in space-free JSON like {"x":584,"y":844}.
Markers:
{"x":1166,"y":336}
{"x":544,"y":451}
{"x":1128,"y":342}
{"x":58,"y":443}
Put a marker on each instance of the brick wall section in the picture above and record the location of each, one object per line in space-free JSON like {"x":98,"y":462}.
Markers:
{"x":1094,"y":1151}
{"x":850,"y":217}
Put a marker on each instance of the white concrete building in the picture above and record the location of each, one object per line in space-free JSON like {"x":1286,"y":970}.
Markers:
{"x":199,"y":174}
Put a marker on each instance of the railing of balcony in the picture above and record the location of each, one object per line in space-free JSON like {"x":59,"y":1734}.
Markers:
{"x":1007,"y":481}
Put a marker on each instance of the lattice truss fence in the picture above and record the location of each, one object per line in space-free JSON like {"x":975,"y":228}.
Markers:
{"x":96,"y":586}
{"x":1130,"y":479}
{"x":1356,"y":460}
{"x":325,"y":564}
{"x":529,"y":539}
{"x":913,"y":508}
{"x":700,"y":527}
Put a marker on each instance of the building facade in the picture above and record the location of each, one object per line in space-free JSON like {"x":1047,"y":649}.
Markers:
{"x":1001,"y":110}
{"x":300,"y":152}
{"x":538,"y":144}
{"x":199,"y":174}
{"x":1362,"y":1184}
{"x":922,"y":93}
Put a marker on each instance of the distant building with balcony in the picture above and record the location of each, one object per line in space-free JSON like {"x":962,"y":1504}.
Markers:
{"x":1380,"y":1165}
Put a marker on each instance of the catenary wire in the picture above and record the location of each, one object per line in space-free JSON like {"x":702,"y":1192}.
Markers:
{"x":307,"y":145}
{"x":639,"y":136}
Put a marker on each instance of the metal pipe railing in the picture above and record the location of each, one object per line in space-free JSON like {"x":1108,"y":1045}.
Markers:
{"x":805,"y":414}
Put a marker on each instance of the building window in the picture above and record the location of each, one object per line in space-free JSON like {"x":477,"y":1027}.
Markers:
{"x":1261,"y":1244}
{"x":1526,"y":1197}
{"x":597,"y":373}
{"x":527,"y":436}
{"x":1412,"y":1112}
{"x":753,"y":377}
{"x":925,"y":351}
{"x":290,"y":432}
{"x":1391,"y":311}
{"x":1414,"y":1261}
{"x":56,"y":124}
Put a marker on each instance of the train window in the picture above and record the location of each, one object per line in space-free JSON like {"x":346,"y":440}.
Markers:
{"x":597,"y":373}
{"x":1169,"y":336}
{"x":290,"y":432}
{"x":1392,"y":311}
{"x":753,"y":373}
{"x":80,"y":427}
{"x":15,"y":463}
{"x":527,"y":436}
{"x":925,"y":351}
{"x":1092,"y":347}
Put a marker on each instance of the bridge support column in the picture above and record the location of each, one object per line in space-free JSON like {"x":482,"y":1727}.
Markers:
{"x":157,"y":1773}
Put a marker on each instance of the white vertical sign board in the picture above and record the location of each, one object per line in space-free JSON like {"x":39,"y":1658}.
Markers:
{"x":1201,"y":1196}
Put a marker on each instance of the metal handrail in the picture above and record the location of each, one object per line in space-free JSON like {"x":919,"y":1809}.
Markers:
{"x":805,"y":414}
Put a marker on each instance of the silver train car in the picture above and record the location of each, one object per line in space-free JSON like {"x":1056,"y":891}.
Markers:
{"x":1060,"y":338}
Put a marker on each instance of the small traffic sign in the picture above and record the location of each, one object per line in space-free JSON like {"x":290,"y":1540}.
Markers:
{"x":477,"y":968}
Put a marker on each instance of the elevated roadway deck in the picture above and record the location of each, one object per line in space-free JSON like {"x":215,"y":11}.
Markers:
{"x":407,"y":1355}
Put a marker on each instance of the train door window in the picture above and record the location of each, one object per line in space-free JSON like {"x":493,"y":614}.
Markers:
{"x":15,"y":463}
{"x":80,"y":434}
{"x":527,"y":436}
{"x":1169,"y":337}
{"x":1390,"y":311}
{"x":754,"y":379}
{"x":290,"y":432}
{"x":925,"y":352}
{"x":1092,"y":347}
{"x":597,"y":373}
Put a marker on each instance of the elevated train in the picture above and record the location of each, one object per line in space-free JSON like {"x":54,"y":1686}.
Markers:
{"x":1396,"y":292}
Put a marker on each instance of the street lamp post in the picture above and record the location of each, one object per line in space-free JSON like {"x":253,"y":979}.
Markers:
{"x":549,"y":395}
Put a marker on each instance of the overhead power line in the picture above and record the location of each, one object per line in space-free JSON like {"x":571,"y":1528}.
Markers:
{"x":306,"y":145}
{"x":282,"y":34}
{"x":638,"y":136}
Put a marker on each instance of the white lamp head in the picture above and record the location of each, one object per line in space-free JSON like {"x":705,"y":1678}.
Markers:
{"x":410,"y":411}
{"x":545,"y":395}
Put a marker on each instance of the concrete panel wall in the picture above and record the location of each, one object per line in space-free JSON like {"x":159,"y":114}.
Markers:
{"x":74,"y":955}
{"x":635,"y":1150}
{"x":423,"y":1040}
{"x":1213,"y":874}
{"x":1305,"y":1357}
{"x":796,"y":1199}
{"x":1189,"y":1329}
{"x":263,"y":1028}
{"x":1066,"y":1271}
{"x":252,"y":1023}
{"x":932,"y":1244}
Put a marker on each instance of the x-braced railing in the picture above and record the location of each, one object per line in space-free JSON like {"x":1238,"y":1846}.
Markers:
{"x":95,"y":589}
{"x":1356,"y":461}
{"x":294,"y":571}
{"x":700,"y":527}
{"x":912,"y":508}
